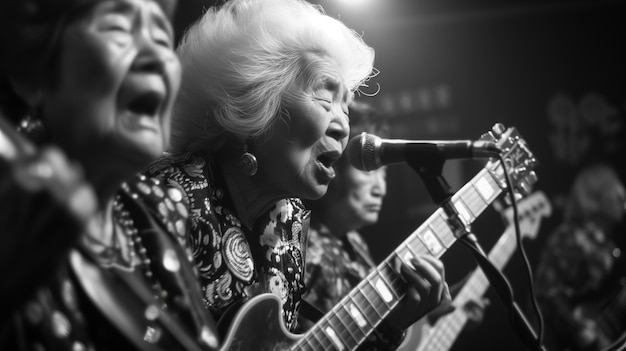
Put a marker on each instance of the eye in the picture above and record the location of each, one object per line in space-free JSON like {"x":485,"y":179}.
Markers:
{"x":163,"y":38}
{"x":115,"y":23}
{"x":117,"y":27}
{"x":325,"y":99}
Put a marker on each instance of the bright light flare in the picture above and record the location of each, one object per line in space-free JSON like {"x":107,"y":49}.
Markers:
{"x":354,"y":2}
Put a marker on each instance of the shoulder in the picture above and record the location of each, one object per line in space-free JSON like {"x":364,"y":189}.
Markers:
{"x":162,"y":200}
{"x":177,"y":165}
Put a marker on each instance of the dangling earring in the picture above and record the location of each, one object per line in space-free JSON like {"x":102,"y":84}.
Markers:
{"x":32,"y":128}
{"x":248,"y":162}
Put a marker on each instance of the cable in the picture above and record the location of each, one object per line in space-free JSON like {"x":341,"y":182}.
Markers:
{"x":518,"y":238}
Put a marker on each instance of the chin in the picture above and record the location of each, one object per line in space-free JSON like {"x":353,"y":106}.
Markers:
{"x":151,"y":149}
{"x":370,"y":219}
{"x":314,"y":193}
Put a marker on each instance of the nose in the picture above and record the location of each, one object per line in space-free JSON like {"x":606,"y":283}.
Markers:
{"x":151,"y":56}
{"x":339,"y":127}
{"x":379,"y":182}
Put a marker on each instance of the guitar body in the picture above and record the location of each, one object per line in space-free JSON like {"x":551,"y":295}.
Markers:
{"x":258,"y":325}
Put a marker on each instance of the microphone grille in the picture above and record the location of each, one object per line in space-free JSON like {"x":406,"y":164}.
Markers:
{"x":362,"y":152}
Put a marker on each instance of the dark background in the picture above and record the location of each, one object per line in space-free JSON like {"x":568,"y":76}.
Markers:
{"x":451,"y":69}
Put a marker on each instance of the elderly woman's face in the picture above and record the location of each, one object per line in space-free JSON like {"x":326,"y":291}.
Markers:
{"x":117,"y":77}
{"x":299,"y":157}
{"x":359,"y":197}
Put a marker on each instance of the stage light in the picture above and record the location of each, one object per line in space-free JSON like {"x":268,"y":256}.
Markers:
{"x":354,"y":2}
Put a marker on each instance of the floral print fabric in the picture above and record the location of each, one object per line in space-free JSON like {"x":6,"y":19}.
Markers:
{"x":234,"y":262}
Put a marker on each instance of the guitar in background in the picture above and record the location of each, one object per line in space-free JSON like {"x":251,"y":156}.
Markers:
{"x":442,"y":335}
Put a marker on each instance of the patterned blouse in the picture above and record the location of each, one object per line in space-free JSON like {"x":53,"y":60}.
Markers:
{"x":234,"y":262}
{"x":109,"y":297}
{"x":574,"y":270}
{"x":334,"y":267}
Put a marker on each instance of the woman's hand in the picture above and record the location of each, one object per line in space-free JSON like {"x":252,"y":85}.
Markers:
{"x":427,"y":290}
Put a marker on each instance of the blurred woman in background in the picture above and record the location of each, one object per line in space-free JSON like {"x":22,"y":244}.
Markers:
{"x":583,"y":302}
{"x":91,"y":85}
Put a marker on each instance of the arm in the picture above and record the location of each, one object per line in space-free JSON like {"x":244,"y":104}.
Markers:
{"x":45,"y":206}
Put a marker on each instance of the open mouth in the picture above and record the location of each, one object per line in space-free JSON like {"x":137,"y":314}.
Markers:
{"x":328,"y":159}
{"x":146,"y":103}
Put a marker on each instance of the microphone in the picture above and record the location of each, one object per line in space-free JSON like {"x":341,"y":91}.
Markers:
{"x":368,"y":152}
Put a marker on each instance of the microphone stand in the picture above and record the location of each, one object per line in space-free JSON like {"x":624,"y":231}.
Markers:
{"x":440,"y":192}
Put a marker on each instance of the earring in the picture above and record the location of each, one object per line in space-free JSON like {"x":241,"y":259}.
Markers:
{"x":248,"y":162}
{"x":32,"y":128}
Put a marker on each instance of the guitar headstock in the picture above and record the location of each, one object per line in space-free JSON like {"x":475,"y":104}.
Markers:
{"x":518,"y":158}
{"x":531,"y":210}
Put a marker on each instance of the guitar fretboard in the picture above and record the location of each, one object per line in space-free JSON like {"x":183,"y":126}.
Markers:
{"x":447,"y":328}
{"x":349,"y":323}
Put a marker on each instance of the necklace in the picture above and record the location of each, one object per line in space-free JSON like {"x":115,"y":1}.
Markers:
{"x":137,"y":252}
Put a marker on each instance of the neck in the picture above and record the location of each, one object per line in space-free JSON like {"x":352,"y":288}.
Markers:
{"x":101,"y":227}
{"x":335,"y":223}
{"x":251,"y":195}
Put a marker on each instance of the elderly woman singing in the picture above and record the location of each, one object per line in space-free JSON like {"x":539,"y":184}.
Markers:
{"x":260,"y":121}
{"x":90,"y":85}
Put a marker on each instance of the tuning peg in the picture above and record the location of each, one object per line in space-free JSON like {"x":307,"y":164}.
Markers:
{"x":532,"y":177}
{"x":494,"y":134}
{"x":497,"y":130}
{"x":525,"y":186}
{"x":507,"y":197}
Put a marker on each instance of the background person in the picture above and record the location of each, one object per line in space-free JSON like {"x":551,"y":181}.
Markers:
{"x":575,"y":282}
{"x":91,"y":84}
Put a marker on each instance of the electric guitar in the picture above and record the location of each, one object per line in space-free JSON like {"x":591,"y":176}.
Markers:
{"x":258,"y":325}
{"x":442,"y":335}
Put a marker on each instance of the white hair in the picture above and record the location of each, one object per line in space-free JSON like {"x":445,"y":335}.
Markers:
{"x":239,"y":60}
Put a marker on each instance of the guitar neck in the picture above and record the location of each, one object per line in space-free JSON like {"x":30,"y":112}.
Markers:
{"x":446,"y":330}
{"x":348,"y":324}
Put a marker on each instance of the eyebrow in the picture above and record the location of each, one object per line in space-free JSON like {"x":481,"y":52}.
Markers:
{"x":162,"y":21}
{"x":130,"y":9}
{"x":120,"y":6}
{"x":331,"y":82}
